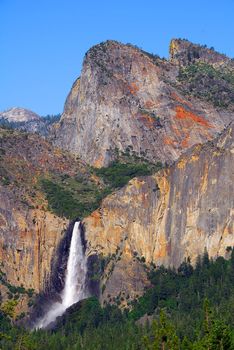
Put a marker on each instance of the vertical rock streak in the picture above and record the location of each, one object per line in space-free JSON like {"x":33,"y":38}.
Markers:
{"x":75,"y":286}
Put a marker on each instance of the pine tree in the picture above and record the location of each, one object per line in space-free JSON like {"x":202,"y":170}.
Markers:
{"x":217,"y":335}
{"x":165,"y":337}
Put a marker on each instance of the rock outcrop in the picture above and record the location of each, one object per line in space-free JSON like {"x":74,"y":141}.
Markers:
{"x":127,"y":100}
{"x":183,"y":52}
{"x":167,"y":217}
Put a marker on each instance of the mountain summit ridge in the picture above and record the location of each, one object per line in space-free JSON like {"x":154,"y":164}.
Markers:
{"x":184,"y":52}
{"x":18,"y":114}
{"x":127,"y":100}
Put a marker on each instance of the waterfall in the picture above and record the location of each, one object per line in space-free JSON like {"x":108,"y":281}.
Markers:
{"x":74,"y":288}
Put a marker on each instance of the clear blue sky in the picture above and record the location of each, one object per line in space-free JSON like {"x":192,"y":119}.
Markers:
{"x":43,"y":42}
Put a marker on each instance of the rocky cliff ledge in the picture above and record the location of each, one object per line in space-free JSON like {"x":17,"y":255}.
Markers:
{"x":167,"y":217}
{"x":128,"y":100}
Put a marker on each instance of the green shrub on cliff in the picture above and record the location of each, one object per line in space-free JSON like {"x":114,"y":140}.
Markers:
{"x":118,"y":174}
{"x":60,"y":200}
{"x":63,"y":201}
{"x":70,"y":197}
{"x":208,"y":83}
{"x":77,"y":196}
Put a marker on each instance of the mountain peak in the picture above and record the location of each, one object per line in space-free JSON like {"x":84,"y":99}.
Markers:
{"x":184,"y":52}
{"x":17,"y":114}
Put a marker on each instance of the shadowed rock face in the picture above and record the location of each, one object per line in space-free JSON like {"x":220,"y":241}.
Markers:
{"x":127,"y":100}
{"x":169,"y":216}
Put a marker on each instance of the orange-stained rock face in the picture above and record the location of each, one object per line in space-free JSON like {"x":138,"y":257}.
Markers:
{"x":128,"y":99}
{"x":189,"y":117}
{"x":179,"y":99}
{"x":147,"y":120}
{"x":167,"y":217}
{"x":133,"y":88}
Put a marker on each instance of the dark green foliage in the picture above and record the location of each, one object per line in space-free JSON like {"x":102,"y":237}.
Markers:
{"x":206,"y":82}
{"x":6,"y":181}
{"x":20,"y":316}
{"x":151,"y":114}
{"x":51,"y":118}
{"x":73,"y":198}
{"x":164,"y":335}
{"x":184,"y":317}
{"x":118,"y":174}
{"x":183,"y":292}
{"x":154,"y":57}
{"x":90,"y":314}
{"x":77,"y":196}
{"x":60,"y":200}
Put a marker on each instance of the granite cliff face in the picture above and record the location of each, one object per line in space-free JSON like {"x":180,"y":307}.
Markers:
{"x":127,"y":100}
{"x":28,"y":242}
{"x":167,"y":217}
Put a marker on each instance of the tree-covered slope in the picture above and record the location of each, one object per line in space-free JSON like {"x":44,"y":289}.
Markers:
{"x":188,"y":309}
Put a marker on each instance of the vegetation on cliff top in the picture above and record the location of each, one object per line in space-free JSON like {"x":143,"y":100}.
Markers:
{"x":53,"y":176}
{"x":78,"y":196}
{"x":118,"y":174}
{"x":72,"y":198}
{"x":69,"y":187}
{"x":209,"y":83}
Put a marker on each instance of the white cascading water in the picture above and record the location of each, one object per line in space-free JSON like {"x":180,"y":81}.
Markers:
{"x":74,"y":288}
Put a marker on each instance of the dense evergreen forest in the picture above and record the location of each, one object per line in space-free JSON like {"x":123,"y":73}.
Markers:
{"x":191,"y":308}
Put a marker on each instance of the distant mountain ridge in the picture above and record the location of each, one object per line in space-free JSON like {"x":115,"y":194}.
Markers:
{"x":26,"y":120}
{"x":17,"y":114}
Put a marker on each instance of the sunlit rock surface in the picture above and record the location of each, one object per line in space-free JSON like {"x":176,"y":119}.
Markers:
{"x":127,"y":100}
{"x":167,"y":217}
